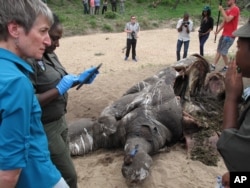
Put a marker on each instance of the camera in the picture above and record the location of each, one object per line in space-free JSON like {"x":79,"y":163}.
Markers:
{"x":185,"y":23}
{"x":133,"y":34}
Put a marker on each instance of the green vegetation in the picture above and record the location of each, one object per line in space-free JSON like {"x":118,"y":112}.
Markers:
{"x":151,"y":15}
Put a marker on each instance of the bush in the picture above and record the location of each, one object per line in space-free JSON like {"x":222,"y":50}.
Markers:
{"x":140,"y":1}
{"x":110,"y":15}
{"x":107,"y":28}
{"x":93,"y":24}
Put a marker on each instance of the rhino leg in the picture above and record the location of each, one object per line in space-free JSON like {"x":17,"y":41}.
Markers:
{"x":81,"y":136}
{"x":137,"y":161}
{"x":86,"y":136}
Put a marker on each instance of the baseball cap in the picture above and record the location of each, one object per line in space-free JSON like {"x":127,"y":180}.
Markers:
{"x":206,"y":8}
{"x":243,"y":31}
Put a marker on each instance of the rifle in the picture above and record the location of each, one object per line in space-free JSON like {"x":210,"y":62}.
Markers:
{"x":89,"y":76}
{"x":218,"y":19}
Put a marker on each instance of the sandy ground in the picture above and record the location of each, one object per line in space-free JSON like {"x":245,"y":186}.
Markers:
{"x":155,"y":50}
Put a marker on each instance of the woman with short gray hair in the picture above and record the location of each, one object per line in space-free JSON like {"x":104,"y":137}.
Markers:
{"x":24,"y":155}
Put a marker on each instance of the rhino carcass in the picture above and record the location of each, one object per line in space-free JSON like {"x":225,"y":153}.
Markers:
{"x":202,"y":94}
{"x":151,"y":115}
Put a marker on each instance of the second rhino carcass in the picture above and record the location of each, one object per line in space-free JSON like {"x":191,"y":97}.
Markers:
{"x":155,"y":113}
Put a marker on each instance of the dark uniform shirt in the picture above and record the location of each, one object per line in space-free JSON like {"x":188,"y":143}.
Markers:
{"x":206,"y":25}
{"x":234,"y":144}
{"x":48,"y":73}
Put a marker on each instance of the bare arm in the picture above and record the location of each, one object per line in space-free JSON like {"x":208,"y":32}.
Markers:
{"x":188,"y":31}
{"x":48,"y":96}
{"x":234,"y":88}
{"x":128,"y":31}
{"x":227,"y":18}
{"x":220,"y":28}
{"x":208,"y":31}
{"x":9,"y":178}
{"x":179,"y":29}
{"x":226,"y":180}
{"x":230,"y":113}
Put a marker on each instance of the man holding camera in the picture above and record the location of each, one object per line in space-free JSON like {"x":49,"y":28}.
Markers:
{"x":132,"y":29}
{"x":184,"y":27}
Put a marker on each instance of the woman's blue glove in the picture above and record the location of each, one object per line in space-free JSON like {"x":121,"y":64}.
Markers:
{"x":66,"y":83}
{"x":84,"y":76}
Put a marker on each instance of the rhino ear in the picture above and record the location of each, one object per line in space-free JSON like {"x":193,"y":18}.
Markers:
{"x":215,"y":85}
{"x":192,"y":75}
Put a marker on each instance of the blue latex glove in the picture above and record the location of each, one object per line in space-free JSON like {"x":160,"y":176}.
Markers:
{"x":85,"y":75}
{"x":66,"y":83}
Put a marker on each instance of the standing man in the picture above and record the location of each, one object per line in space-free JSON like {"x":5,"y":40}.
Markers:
{"x":132,"y":29}
{"x":234,"y":140}
{"x":184,"y":27}
{"x":229,"y":25}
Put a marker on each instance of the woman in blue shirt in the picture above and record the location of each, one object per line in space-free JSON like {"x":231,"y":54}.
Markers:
{"x":24,"y":155}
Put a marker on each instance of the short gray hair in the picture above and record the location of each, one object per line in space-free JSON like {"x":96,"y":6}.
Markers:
{"x":23,"y":12}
